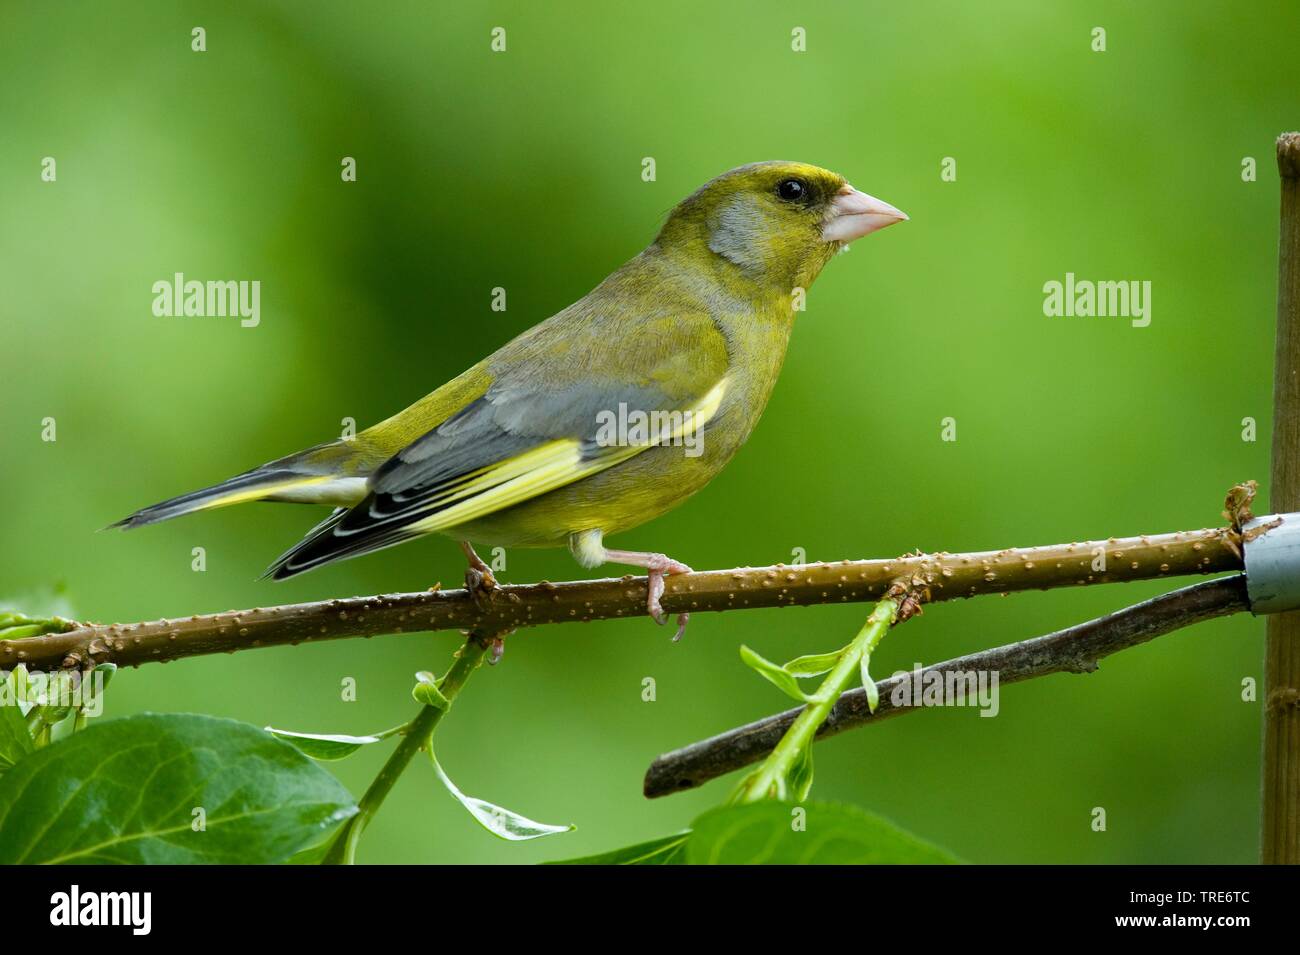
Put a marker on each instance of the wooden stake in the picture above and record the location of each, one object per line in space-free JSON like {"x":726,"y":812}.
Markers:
{"x":1280,"y":840}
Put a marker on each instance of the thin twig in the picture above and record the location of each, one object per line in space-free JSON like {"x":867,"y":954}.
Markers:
{"x":1072,"y":650}
{"x":943,"y":576}
{"x":780,"y":777}
{"x":415,"y":737}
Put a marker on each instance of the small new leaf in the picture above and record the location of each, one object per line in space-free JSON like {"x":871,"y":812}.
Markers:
{"x":106,"y":671}
{"x":426,"y":691}
{"x":779,"y":677}
{"x":15,"y":626}
{"x":495,"y":819}
{"x":814,"y":664}
{"x":324,"y":746}
{"x":868,"y":684}
{"x":56,"y":694}
{"x":800,"y":780}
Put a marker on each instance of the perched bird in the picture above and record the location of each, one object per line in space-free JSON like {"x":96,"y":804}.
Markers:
{"x":605,"y":415}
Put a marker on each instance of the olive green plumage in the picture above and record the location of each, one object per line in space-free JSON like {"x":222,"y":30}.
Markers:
{"x":506,"y":452}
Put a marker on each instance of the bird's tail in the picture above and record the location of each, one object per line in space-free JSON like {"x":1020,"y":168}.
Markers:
{"x":271,"y":480}
{"x":320,"y":547}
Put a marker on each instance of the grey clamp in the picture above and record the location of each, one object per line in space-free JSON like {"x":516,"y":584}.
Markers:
{"x":1271,"y":547}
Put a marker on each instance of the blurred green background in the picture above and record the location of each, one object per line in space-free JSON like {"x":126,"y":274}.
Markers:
{"x":523,"y":170}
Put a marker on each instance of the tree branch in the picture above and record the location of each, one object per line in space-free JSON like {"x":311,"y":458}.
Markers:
{"x":942,"y":576}
{"x":1072,"y":650}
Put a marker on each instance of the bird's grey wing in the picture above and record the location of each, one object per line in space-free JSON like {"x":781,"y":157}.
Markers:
{"x":506,"y":447}
{"x":537,"y":426}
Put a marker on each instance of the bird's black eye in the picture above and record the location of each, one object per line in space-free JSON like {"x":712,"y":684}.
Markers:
{"x":792,"y":190}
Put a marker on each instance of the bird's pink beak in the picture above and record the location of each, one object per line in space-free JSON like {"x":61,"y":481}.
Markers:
{"x":854,"y":214}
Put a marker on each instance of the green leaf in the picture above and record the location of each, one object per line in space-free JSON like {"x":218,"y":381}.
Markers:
{"x":324,"y":746}
{"x":868,"y":684}
{"x":126,"y":791}
{"x":814,"y":664}
{"x":496,"y":820}
{"x":15,"y":740}
{"x":813,"y":834}
{"x":777,"y":676}
{"x":667,"y":850}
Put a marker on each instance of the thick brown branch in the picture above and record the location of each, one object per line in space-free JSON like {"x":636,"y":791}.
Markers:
{"x":1074,"y":650}
{"x":942,"y":576}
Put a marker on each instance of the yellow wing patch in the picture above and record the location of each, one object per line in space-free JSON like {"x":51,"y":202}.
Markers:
{"x":547,"y":467}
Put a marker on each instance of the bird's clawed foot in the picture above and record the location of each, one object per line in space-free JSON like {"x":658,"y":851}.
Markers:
{"x":482,"y":587}
{"x":479,"y":579}
{"x":657,"y":567}
{"x":657,"y":572}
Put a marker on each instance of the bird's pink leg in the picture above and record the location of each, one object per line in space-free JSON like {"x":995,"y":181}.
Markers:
{"x":657,"y":566}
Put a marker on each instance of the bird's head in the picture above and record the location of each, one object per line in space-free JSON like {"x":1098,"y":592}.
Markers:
{"x":778,"y":223}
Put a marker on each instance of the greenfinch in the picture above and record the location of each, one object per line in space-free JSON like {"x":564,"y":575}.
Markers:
{"x":605,"y":415}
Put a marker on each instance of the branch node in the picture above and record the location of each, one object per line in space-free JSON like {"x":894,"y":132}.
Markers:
{"x":492,"y":640}
{"x":1236,"y":506}
{"x":908,"y":593}
{"x":1282,"y":699}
